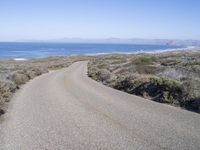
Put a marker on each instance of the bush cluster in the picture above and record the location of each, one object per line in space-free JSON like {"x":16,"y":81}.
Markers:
{"x":22,"y":76}
{"x":172,"y":78}
{"x":14,"y":80}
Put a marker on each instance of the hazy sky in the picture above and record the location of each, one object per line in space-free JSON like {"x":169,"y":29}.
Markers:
{"x":54,"y":19}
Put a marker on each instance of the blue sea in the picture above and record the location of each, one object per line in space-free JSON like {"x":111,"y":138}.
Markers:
{"x":20,"y":51}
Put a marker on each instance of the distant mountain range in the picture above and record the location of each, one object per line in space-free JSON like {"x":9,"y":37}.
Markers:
{"x":124,"y":41}
{"x":132,"y":41}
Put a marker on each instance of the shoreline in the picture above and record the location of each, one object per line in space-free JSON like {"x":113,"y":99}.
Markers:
{"x":14,"y":73}
{"x":139,"y":51}
{"x":189,"y":48}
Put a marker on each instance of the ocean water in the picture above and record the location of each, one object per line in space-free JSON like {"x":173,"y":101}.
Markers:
{"x":20,"y":51}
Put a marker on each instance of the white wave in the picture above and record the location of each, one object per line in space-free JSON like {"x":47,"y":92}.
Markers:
{"x":96,"y":54}
{"x":20,"y":59}
{"x":144,"y":51}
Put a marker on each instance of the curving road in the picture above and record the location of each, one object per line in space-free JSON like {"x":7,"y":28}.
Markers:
{"x":65,"y":110}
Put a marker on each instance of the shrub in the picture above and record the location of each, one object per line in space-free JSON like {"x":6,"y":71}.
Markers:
{"x":118,"y":61}
{"x":192,"y":63}
{"x":99,"y":75}
{"x":167,"y":78}
{"x":173,"y":73}
{"x":158,"y":89}
{"x":6,"y":90}
{"x":2,"y":69}
{"x":18,"y":78}
{"x":169,"y":62}
{"x":142,"y":60}
{"x":33,"y":72}
{"x":148,"y":69}
{"x":22,"y":76}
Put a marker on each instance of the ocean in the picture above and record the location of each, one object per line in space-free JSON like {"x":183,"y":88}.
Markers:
{"x":21,"y":51}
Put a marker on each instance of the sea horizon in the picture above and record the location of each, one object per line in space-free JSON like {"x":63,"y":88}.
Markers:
{"x":29,"y":50}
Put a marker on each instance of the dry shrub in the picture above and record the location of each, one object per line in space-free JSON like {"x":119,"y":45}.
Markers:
{"x":22,"y":76}
{"x":168,"y":78}
{"x":102,"y":75}
{"x":34,"y":72}
{"x":18,"y":78}
{"x":6,"y":90}
{"x":158,"y":89}
{"x":143,"y":60}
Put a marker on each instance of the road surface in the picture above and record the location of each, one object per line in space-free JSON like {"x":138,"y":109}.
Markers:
{"x":65,"y":110}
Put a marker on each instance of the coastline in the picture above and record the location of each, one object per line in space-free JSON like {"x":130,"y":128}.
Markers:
{"x":186,"y":49}
{"x":14,"y":73}
{"x":20,"y":51}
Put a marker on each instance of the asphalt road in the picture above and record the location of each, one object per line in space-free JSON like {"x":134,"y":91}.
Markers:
{"x":65,"y":110}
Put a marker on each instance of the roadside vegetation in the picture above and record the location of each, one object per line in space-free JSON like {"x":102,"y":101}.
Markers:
{"x":13,"y":74}
{"x":172,"y":78}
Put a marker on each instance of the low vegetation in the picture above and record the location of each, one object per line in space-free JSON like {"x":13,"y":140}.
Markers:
{"x":13,"y":73}
{"x":143,"y":60}
{"x":172,"y":78}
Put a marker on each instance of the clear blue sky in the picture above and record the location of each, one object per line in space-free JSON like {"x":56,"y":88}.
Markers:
{"x":54,"y":19}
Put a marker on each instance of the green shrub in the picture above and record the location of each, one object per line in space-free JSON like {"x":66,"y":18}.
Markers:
{"x":158,"y":89}
{"x":22,"y":76}
{"x":6,"y":90}
{"x":169,"y":84}
{"x":120,"y":61}
{"x":144,"y":60}
{"x":102,"y":75}
{"x":148,"y":69}
{"x":192,"y":63}
{"x":170,"y":62}
{"x":167,"y":78}
{"x":18,"y":78}
{"x":2,"y":69}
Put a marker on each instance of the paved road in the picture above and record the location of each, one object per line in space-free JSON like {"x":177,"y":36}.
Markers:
{"x":65,"y":110}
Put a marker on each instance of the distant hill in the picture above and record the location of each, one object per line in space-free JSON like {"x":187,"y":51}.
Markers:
{"x":123,"y":41}
{"x":132,"y":41}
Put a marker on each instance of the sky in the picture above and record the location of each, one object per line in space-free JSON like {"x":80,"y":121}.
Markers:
{"x":57,"y":19}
